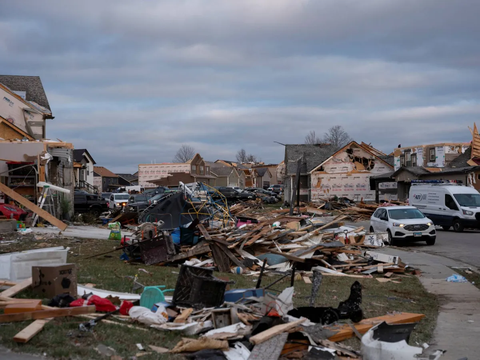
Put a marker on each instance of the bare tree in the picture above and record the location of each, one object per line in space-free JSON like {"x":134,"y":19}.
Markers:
{"x":243,"y":157}
{"x":337,"y":137}
{"x":312,"y":138}
{"x":185,"y":153}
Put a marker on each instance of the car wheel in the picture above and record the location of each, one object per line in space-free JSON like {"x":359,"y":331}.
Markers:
{"x":391,"y":240}
{"x":457,"y":225}
{"x":446,"y":228}
{"x":371,"y":229}
{"x":431,"y":241}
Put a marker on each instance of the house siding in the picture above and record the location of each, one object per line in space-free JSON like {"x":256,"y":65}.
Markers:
{"x":347,"y":174}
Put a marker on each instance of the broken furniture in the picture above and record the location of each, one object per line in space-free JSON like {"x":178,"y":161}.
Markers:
{"x":198,"y":288}
{"x":151,"y":250}
{"x":152,"y":295}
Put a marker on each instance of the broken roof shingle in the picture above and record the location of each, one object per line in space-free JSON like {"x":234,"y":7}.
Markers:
{"x":461,"y":160}
{"x":32,"y":85}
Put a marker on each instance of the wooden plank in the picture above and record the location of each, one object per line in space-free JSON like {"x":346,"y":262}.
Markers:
{"x":182,"y":318}
{"x":30,"y":331}
{"x":198,"y":250}
{"x":288,"y":256}
{"x":32,"y":207}
{"x":45,"y":314}
{"x":222,"y":260}
{"x":229,"y":254}
{"x":343,"y":332}
{"x":274,"y":331}
{"x":7,"y":283}
{"x":14,"y":290}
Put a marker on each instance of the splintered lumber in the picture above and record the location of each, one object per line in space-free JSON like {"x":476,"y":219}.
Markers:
{"x":288,"y":256}
{"x":30,"y":331}
{"x":32,"y":207}
{"x":184,"y":316}
{"x":197,"y":250}
{"x":45,"y":314}
{"x":274,"y":331}
{"x":343,"y":332}
{"x":221,"y":260}
{"x":14,"y":290}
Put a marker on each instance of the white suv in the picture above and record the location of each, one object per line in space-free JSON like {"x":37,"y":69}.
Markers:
{"x":403,"y":223}
{"x":118,"y":200}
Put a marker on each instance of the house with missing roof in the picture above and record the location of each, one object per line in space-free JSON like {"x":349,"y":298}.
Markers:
{"x":325,"y":174}
{"x":347,"y":173}
{"x":24,"y":108}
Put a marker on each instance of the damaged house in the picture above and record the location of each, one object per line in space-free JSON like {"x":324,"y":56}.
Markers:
{"x":24,"y":104}
{"x":458,"y":162}
{"x":26,"y":157}
{"x":228,"y":175}
{"x":347,"y":173}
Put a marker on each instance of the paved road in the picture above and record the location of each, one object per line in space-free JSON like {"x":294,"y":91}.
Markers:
{"x":464,"y":246}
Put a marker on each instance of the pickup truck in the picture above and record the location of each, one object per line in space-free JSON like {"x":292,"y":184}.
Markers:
{"x":85,"y":202}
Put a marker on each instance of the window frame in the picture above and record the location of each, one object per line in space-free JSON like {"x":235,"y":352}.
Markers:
{"x":430,"y":154}
{"x":414,"y":159}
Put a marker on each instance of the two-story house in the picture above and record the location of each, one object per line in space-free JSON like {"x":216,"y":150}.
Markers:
{"x":24,"y":104}
{"x":84,"y":170}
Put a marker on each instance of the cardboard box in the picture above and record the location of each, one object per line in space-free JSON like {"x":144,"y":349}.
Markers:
{"x":52,"y":280}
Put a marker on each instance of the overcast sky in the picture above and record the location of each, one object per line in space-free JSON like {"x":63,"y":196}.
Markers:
{"x":132,"y":81}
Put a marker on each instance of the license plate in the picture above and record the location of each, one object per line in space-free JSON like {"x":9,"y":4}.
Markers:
{"x":417,"y":234}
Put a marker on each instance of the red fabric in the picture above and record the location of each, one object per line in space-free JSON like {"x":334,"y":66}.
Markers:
{"x":101,"y":305}
{"x":76,"y":303}
{"x":125,"y":307}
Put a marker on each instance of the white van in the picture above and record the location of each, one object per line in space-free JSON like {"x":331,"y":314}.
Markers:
{"x":447,"y":204}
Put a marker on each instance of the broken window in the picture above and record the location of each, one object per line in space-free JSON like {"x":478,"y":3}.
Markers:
{"x":431,"y":154}
{"x":402,"y":160}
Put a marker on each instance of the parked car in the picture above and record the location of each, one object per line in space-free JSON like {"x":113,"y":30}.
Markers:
{"x":403,"y":223}
{"x":229,"y":193}
{"x":117,"y":200}
{"x":84,"y":202}
{"x":244,"y":195}
{"x":262,"y":191}
{"x":278,"y":189}
{"x":268,"y":197}
{"x":447,"y":204}
{"x":138,"y":198}
{"x":11,"y":211}
{"x":106,"y":195}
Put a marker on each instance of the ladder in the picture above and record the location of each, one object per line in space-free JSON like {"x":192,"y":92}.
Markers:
{"x":46,"y":193}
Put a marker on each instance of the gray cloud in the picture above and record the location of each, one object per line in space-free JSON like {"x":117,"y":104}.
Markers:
{"x":132,"y":81}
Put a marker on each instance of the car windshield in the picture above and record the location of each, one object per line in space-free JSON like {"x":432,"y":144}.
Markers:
{"x":472,"y":200}
{"x":402,"y":214}
{"x":122,"y":197}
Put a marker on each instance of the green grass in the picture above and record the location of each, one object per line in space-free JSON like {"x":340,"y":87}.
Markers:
{"x":60,"y":339}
